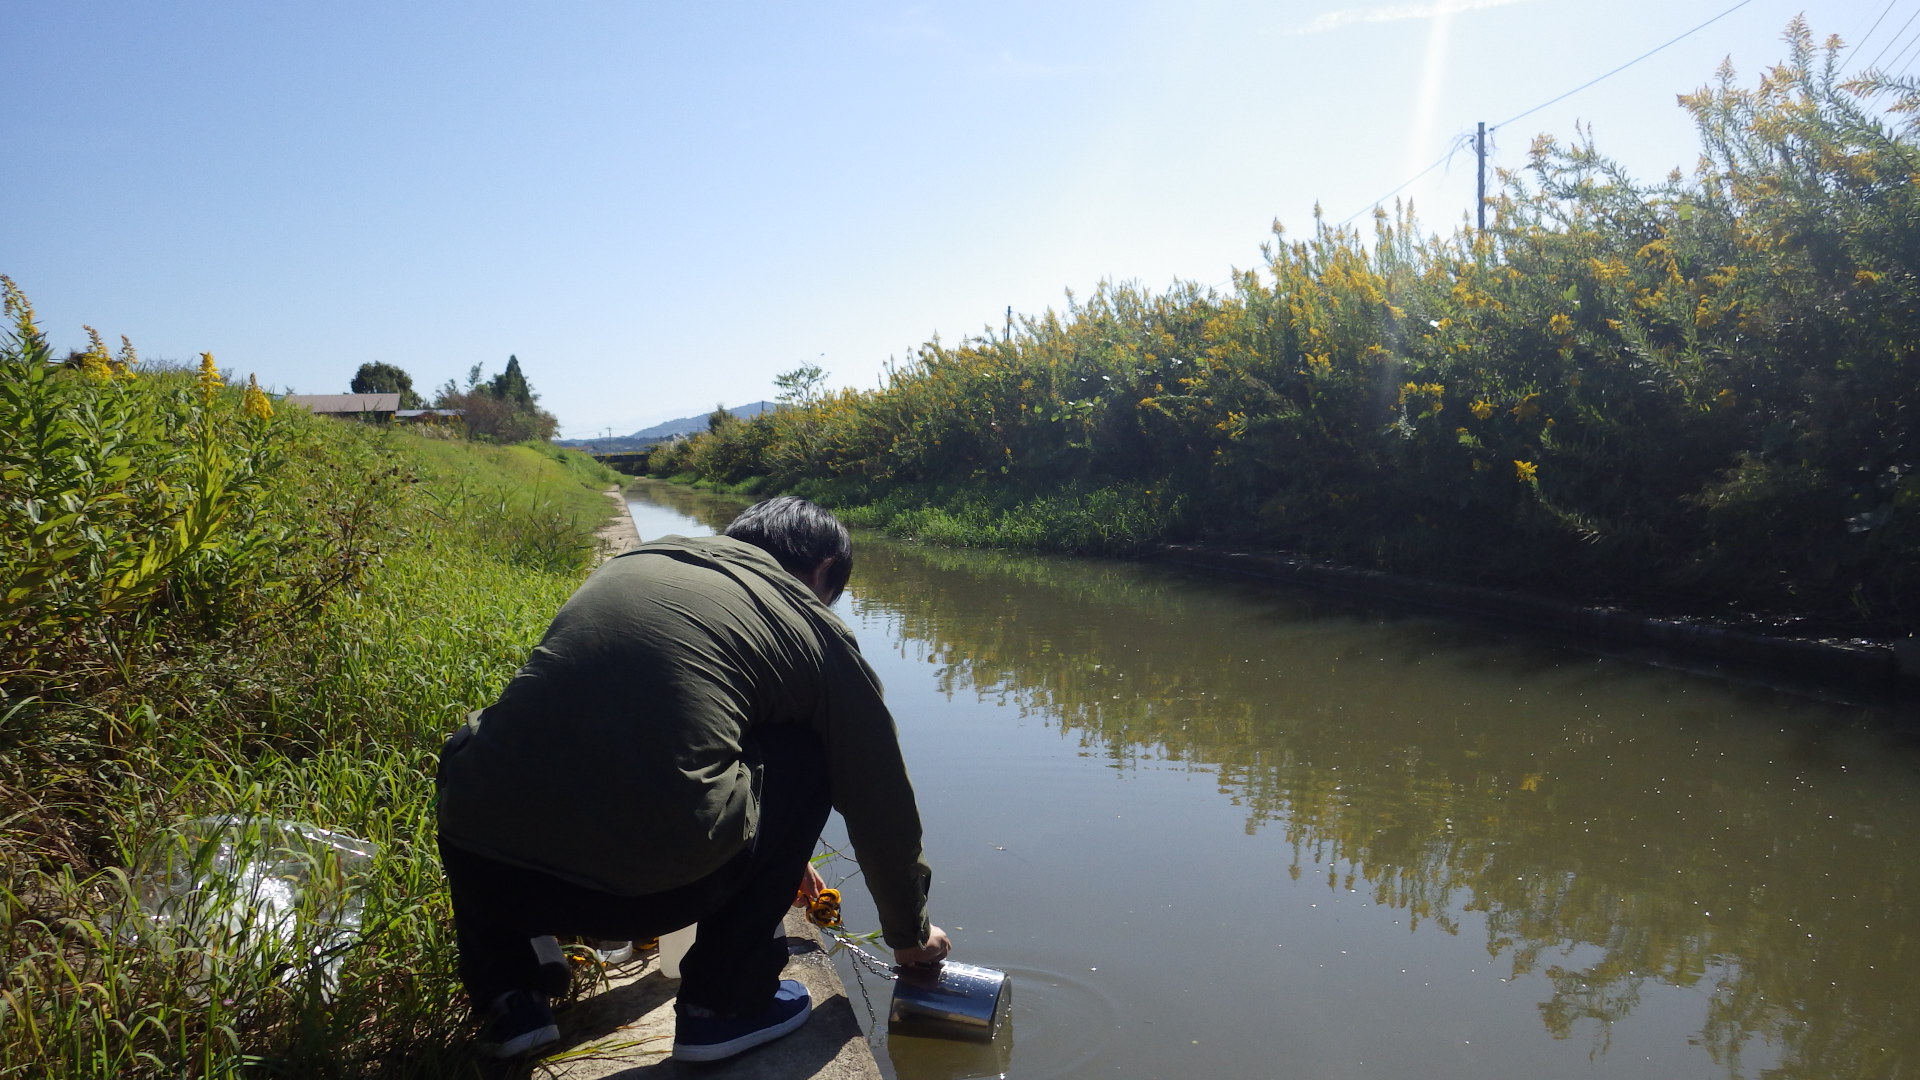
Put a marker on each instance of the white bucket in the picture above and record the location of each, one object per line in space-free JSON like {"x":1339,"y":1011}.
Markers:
{"x":673,"y":947}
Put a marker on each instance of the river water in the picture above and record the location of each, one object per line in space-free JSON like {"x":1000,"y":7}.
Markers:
{"x":1218,"y":828}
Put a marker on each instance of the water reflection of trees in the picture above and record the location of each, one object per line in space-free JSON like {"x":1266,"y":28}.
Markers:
{"x":1619,"y":821}
{"x":710,"y":510}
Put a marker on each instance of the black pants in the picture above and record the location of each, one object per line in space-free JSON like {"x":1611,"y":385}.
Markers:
{"x":735,"y":963}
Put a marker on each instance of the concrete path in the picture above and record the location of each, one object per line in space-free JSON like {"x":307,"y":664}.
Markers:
{"x":624,"y":1028}
{"x":618,"y":534}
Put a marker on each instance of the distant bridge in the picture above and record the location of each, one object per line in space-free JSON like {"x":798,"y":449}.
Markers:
{"x":631,"y":462}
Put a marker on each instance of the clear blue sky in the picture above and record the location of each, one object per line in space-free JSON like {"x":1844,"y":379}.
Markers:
{"x":660,"y":206}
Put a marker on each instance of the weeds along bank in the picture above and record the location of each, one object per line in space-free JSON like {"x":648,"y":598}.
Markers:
{"x":213,"y":607}
{"x":1702,"y":390}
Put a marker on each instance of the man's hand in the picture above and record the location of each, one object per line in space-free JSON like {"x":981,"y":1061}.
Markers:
{"x":810,"y":885}
{"x":933,"y":951}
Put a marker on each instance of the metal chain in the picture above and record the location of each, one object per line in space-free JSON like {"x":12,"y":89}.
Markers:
{"x":873,"y":1020}
{"x":824,"y":912}
{"x":863,"y":957}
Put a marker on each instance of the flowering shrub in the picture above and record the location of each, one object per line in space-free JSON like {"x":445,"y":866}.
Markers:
{"x":1702,"y":388}
{"x":122,"y":497}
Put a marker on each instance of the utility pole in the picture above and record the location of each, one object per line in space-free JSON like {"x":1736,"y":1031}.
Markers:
{"x":1009,"y":322}
{"x":1480,"y":151}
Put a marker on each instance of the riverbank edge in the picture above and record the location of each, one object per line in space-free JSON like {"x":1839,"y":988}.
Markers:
{"x":618,"y":533}
{"x":625,"y":1029}
{"x":1871,"y":671}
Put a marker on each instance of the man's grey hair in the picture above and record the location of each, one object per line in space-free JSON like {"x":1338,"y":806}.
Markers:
{"x":798,"y":534}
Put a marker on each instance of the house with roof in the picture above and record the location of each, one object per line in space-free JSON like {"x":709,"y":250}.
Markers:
{"x":373,"y":408}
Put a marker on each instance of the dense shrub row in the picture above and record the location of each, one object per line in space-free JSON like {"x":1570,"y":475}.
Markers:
{"x":215,"y":607}
{"x":1699,"y":392}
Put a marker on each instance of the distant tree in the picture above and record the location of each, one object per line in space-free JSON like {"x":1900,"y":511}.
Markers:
{"x":720,"y":418}
{"x":801,"y":385}
{"x":376,"y":377}
{"x":502,"y":409}
{"x":511,"y":386}
{"x":489,"y":419}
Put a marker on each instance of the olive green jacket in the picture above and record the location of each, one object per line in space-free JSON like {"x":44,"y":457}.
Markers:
{"x":614,"y":757}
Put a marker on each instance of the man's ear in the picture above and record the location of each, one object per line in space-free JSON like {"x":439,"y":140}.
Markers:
{"x":816,"y":579}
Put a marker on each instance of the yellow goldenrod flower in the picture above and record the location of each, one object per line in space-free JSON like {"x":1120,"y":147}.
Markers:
{"x":208,"y":381}
{"x":95,"y":363}
{"x":1529,"y":407}
{"x":254,"y":402}
{"x":1609,"y":269}
{"x":1560,"y":324}
{"x":19,"y":309}
{"x":1525,"y":470}
{"x":1481,"y":409}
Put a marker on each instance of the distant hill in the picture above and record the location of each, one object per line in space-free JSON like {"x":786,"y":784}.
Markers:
{"x":690,"y":424}
{"x":659,"y":433}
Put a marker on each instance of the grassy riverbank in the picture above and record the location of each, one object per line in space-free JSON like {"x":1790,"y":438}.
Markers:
{"x":215,"y":608}
{"x":1697,"y":393}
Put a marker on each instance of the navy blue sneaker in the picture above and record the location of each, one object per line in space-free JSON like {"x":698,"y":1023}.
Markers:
{"x":519,"y":1022}
{"x":711,"y":1038}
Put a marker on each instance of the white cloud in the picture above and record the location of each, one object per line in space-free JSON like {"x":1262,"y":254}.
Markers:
{"x":1334,"y":20}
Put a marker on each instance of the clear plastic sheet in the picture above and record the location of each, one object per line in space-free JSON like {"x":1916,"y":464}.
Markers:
{"x":250,"y":896}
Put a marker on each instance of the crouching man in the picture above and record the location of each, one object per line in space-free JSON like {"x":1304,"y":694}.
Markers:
{"x":669,"y":755}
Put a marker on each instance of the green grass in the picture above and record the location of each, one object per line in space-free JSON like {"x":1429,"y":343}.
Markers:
{"x":1081,"y":518}
{"x":423,"y":570}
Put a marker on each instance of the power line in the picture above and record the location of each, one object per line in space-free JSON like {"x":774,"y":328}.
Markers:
{"x":1463,"y":139}
{"x":1625,"y":66}
{"x":1896,"y":38}
{"x":1452,"y":149}
{"x":1861,"y":44}
{"x":1902,"y":54}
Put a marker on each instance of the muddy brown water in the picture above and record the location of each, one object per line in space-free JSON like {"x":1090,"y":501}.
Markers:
{"x":1216,"y":828}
